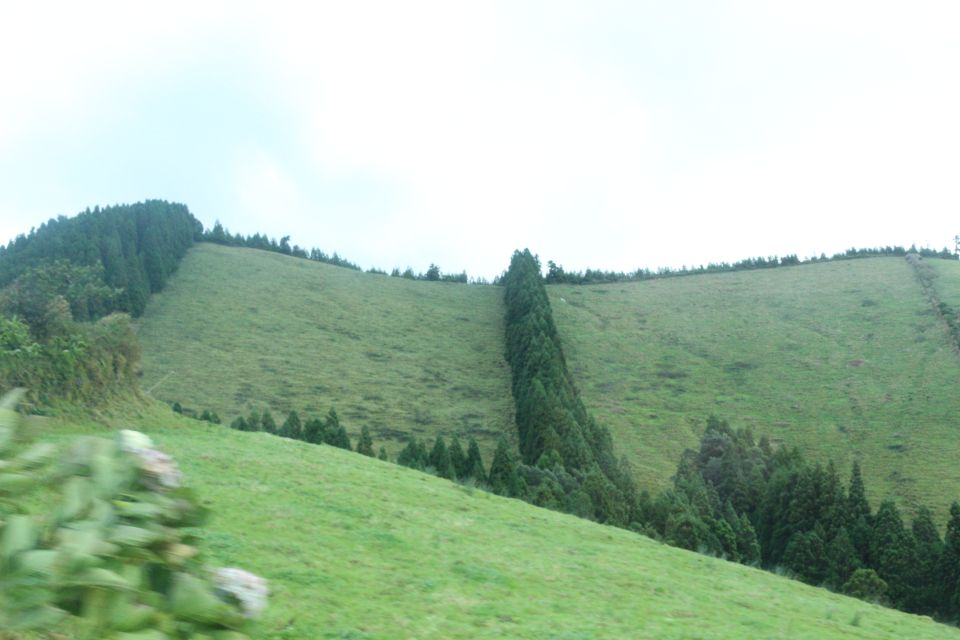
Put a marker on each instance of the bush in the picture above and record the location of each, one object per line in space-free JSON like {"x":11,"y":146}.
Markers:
{"x":116,"y":555}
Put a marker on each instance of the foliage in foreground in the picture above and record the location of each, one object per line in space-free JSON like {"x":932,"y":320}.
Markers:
{"x":116,"y":558}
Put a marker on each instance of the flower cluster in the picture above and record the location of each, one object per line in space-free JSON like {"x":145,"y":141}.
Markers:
{"x":161,"y":470}
{"x":249,"y":590}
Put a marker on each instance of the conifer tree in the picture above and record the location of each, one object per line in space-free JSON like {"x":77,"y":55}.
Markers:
{"x":365,"y":443}
{"x":267,"y":423}
{"x":474,"y":465}
{"x":254,"y":422}
{"x":240,"y":424}
{"x":331,"y":428}
{"x":440,"y":460}
{"x":950,"y":567}
{"x":409,"y":456}
{"x":314,"y":431}
{"x":503,"y":477}
{"x":383,"y":454}
{"x":291,"y":427}
{"x":892,"y":551}
{"x":458,"y":459}
{"x":927,"y":592}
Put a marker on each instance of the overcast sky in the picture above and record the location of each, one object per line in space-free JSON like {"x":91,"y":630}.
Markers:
{"x":612,"y":135}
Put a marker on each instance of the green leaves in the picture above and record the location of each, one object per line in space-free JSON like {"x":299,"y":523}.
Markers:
{"x":115,"y":552}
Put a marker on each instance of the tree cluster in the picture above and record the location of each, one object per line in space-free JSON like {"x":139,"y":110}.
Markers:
{"x":130,"y":251}
{"x":566,"y":460}
{"x":448,"y":462}
{"x":740,"y":499}
{"x":314,"y":430}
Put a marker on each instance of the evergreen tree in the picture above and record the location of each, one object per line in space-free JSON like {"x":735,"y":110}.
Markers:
{"x":383,"y":454}
{"x":267,"y":423}
{"x":927,"y":593}
{"x":950,"y":567}
{"x":842,"y":559}
{"x":866,"y":585}
{"x":331,"y":428}
{"x":440,"y":460}
{"x":458,"y":459}
{"x":314,"y":431}
{"x":291,"y":427}
{"x":240,"y":424}
{"x":365,"y":443}
{"x":892,"y":551}
{"x":177,"y":408}
{"x":253,"y":422}
{"x":474,"y":465}
{"x":410,"y":455}
{"x":504,"y":479}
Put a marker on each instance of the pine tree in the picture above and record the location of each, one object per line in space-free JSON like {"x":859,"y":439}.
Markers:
{"x":842,"y":559}
{"x":440,"y":460}
{"x":892,"y":550}
{"x":254,"y":422}
{"x":331,"y":428}
{"x":291,"y":427}
{"x":383,"y":454}
{"x":503,"y":471}
{"x":950,"y":567}
{"x":409,"y":456}
{"x":314,"y":431}
{"x":474,"y":465}
{"x":240,"y":424}
{"x":365,"y":443}
{"x":927,"y":592}
{"x":458,"y":459}
{"x":267,"y":423}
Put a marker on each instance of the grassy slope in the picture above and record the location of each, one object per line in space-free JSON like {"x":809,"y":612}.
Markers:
{"x":357,"y":548}
{"x":238,"y":329}
{"x":844,"y":359}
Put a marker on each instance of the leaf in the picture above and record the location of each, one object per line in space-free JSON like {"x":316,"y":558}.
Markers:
{"x":192,"y":599}
{"x":19,"y":535}
{"x":99,"y":577}
{"x":42,"y":617}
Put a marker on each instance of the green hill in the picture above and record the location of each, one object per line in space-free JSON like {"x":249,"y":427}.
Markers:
{"x":240,"y":329}
{"x":845,"y":359}
{"x":357,"y":548}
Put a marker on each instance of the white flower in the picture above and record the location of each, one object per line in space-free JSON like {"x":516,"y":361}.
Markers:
{"x":248,"y":589}
{"x":132,"y":441}
{"x":160,"y":469}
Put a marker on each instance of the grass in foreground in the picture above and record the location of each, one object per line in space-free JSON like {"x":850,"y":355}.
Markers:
{"x":844,"y":359}
{"x":357,"y":548}
{"x":241,"y":329}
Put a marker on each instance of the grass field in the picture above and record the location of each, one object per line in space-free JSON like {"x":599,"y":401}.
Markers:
{"x":361,"y":549}
{"x":241,"y":329}
{"x":845,"y":359}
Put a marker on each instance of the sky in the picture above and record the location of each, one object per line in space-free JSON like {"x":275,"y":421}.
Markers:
{"x":611,"y":135}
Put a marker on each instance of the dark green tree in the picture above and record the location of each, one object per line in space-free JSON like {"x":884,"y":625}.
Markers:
{"x":458,"y":459}
{"x":292,"y":428}
{"x":440,"y":460}
{"x":365,"y":443}
{"x":267,"y":423}
{"x":314,"y":431}
{"x":474,"y":465}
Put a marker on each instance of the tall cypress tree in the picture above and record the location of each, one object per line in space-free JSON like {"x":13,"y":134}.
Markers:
{"x":291,"y":427}
{"x":474,"y":465}
{"x":457,"y":458}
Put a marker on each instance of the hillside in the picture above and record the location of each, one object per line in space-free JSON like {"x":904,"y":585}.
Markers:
{"x":240,"y":329}
{"x":845,"y":359}
{"x":357,"y":548}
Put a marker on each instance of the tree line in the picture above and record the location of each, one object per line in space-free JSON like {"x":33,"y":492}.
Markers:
{"x":557,"y":275}
{"x":219,"y":235}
